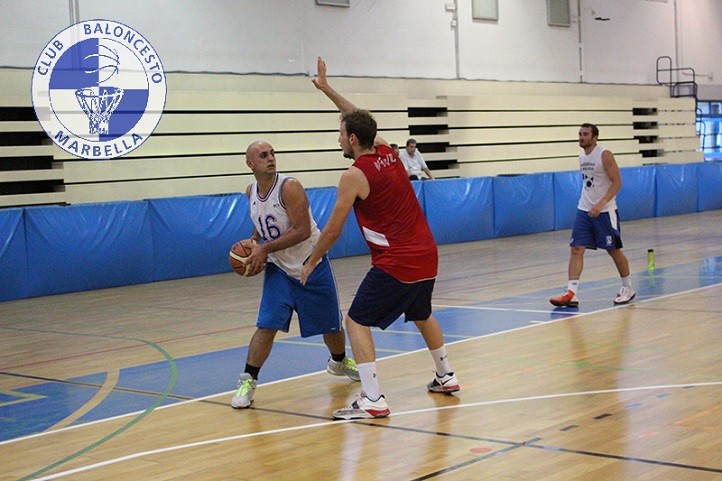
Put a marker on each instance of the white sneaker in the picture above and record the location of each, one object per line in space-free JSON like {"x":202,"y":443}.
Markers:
{"x":347,"y":367}
{"x":446,"y":383}
{"x":626,"y":294}
{"x":244,"y":393}
{"x":364,"y":408}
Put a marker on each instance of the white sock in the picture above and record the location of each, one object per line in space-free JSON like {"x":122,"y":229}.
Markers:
{"x":626,"y":281}
{"x":573,"y":285}
{"x":369,"y":380}
{"x":441,"y":359}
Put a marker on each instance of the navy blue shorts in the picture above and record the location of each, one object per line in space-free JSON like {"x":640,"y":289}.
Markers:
{"x":602,"y":232}
{"x":381,"y":299}
{"x":316,"y":303}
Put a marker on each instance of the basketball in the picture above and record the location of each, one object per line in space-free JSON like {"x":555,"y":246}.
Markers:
{"x":237,"y":257}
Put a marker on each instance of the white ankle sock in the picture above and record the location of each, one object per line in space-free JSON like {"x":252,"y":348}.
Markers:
{"x":369,"y":380}
{"x":441,"y":359}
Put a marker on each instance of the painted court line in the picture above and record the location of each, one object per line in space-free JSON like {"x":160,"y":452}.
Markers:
{"x":333,"y":423}
{"x":226,"y":393}
{"x":483,"y":308}
{"x":566,"y":314}
{"x":108,"y":385}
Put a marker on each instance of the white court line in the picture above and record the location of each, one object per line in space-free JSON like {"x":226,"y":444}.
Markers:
{"x":328,"y":423}
{"x":210,"y":396}
{"x":480,"y":308}
{"x":332,"y":423}
{"x":582,"y":314}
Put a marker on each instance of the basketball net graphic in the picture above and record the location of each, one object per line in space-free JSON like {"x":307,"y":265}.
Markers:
{"x":100,"y":103}
{"x":99,"y":106}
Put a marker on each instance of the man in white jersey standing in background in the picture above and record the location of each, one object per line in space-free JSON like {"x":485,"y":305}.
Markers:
{"x":597,"y":222}
{"x":285,"y":234}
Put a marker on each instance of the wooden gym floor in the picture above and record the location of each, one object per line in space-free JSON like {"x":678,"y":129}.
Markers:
{"x":134,"y":382}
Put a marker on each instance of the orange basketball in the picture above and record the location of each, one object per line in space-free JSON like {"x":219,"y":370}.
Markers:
{"x":237,"y":258}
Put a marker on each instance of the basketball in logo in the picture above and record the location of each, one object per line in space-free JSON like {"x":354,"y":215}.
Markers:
{"x":99,"y":89}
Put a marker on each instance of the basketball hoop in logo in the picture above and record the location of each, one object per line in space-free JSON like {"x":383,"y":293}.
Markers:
{"x":99,"y":104}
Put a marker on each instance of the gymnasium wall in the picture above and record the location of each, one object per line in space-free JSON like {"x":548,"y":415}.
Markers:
{"x":463,"y":128}
{"x":48,"y":250}
{"x":418,"y":64}
{"x":607,"y":41}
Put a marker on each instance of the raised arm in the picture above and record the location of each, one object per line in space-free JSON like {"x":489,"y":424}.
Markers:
{"x":341,"y":103}
{"x":321,"y":83}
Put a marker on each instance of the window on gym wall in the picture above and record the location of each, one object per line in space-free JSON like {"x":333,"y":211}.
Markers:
{"x":709,"y":127}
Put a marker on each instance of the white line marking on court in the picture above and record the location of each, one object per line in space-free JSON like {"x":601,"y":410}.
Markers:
{"x":334,"y":423}
{"x":211,"y":396}
{"x":403,"y":413}
{"x":481,"y":308}
{"x":582,"y":314}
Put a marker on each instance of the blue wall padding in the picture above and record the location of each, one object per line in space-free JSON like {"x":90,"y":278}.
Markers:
{"x":53,"y":249}
{"x":83,"y":247}
{"x":322,"y":200}
{"x":419,"y":190}
{"x":192,"y":235}
{"x":567,"y":188}
{"x":13,"y":256}
{"x":351,"y":242}
{"x":523,"y":204}
{"x":636,"y":199}
{"x":709,"y":180}
{"x":676,"y":189}
{"x":460,"y":210}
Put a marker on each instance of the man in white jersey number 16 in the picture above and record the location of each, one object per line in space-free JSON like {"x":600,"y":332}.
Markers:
{"x":285,"y":234}
{"x":597,"y":222}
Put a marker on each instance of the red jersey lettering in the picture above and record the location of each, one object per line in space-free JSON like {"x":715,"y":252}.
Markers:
{"x":392,"y":222}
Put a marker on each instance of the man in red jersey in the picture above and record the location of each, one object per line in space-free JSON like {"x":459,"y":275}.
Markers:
{"x":404,"y":257}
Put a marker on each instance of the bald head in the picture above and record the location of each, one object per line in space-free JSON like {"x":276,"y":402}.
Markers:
{"x":261,"y":158}
{"x":255,"y":147}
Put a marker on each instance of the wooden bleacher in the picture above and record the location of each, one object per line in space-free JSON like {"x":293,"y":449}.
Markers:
{"x":463,"y":128}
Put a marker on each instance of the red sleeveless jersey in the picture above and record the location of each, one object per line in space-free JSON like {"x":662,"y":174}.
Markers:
{"x":392,"y":222}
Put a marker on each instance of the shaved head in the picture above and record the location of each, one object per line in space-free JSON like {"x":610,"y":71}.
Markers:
{"x":254,"y":147}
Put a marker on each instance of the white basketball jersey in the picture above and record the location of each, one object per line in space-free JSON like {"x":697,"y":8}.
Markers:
{"x":271,"y":221}
{"x":595,"y":181}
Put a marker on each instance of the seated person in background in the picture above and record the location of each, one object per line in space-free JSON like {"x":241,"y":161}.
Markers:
{"x":414,"y":162}
{"x":395,"y":147}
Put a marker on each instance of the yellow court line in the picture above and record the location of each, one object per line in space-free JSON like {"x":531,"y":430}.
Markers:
{"x":22,"y":397}
{"x":111,"y":379}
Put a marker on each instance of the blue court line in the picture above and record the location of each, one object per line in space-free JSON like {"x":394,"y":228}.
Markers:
{"x":34,"y":409}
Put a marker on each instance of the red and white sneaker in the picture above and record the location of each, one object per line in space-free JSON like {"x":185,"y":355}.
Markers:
{"x":568,"y":299}
{"x":364,"y":408}
{"x":446,"y":383}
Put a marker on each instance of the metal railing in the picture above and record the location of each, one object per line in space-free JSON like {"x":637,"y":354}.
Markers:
{"x":677,"y":88}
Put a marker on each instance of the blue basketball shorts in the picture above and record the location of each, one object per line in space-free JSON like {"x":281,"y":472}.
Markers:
{"x":316,"y":303}
{"x":381,"y":299}
{"x":603,"y":231}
